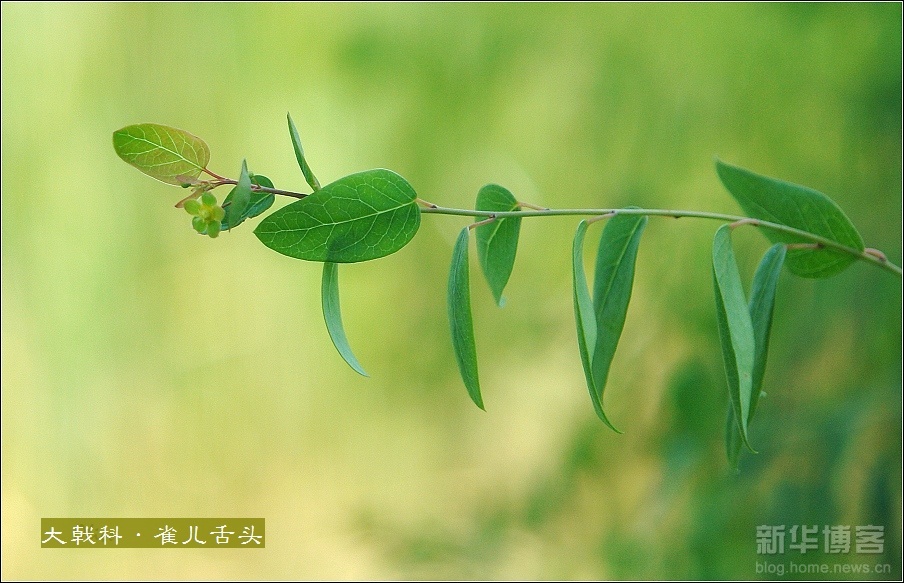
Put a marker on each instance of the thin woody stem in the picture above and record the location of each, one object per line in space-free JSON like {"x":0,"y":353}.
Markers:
{"x":481,"y":223}
{"x":797,"y":246}
{"x":217,"y":176}
{"x":869,"y":257}
{"x":256,"y":188}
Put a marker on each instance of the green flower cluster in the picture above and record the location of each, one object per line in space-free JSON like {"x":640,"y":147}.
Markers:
{"x":207,"y":214}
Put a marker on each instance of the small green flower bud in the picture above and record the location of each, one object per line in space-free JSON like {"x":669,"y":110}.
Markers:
{"x":213,"y":229}
{"x":208,"y":199}
{"x":217,"y":213}
{"x":192,"y":207}
{"x":199,"y":224}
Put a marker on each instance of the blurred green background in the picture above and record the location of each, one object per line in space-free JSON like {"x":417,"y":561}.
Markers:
{"x":147,"y":371}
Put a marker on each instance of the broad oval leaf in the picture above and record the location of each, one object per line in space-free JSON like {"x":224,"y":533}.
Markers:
{"x":360,"y":217}
{"x":497,"y":242}
{"x":299,"y":156}
{"x":460,"y":320}
{"x":259,"y":202}
{"x":585,"y":319}
{"x":735,"y":328}
{"x":795,"y":206}
{"x":612,"y":284}
{"x":761,"y":308}
{"x":329,"y":296}
{"x":168,"y":154}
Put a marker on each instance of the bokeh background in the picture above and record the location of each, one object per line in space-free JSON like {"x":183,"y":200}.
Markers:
{"x":147,"y":371}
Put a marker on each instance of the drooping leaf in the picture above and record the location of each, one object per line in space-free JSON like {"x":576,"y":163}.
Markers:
{"x":795,"y":206}
{"x":460,"y":321}
{"x":299,"y":155}
{"x":241,"y":198}
{"x":761,"y":308}
{"x":360,"y":217}
{"x":585,"y":319}
{"x":329,"y":295}
{"x":735,"y":328}
{"x":167,"y":154}
{"x":259,"y":202}
{"x":497,"y":242}
{"x":612,"y":283}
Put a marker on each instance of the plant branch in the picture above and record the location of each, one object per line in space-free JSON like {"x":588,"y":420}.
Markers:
{"x":256,"y":188}
{"x":873,"y":256}
{"x":217,"y":176}
{"x":867,"y":256}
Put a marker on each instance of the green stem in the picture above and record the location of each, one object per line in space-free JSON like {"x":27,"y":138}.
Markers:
{"x":870,"y":255}
{"x":256,"y":188}
{"x":822,"y":241}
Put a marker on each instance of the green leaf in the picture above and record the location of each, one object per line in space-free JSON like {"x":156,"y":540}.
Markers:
{"x":612,"y":283}
{"x":761,"y":308}
{"x":585,"y":319}
{"x":497,"y":242}
{"x":460,"y":321}
{"x":735,"y":328}
{"x":299,"y":155}
{"x":360,"y":217}
{"x":733,"y":442}
{"x":259,"y":202}
{"x":167,"y":154}
{"x":329,"y":295}
{"x":241,"y":198}
{"x":796,"y":206}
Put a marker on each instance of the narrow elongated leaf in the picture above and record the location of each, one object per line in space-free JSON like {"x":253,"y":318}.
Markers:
{"x":258,"y":203}
{"x":612,"y":284}
{"x":329,"y":296}
{"x":460,"y":321}
{"x":299,"y":155}
{"x":585,"y":319}
{"x":796,"y":206}
{"x":167,"y":154}
{"x":360,"y":217}
{"x":735,"y":328}
{"x":761,"y":308}
{"x":497,"y":242}
{"x":241,"y":197}
{"x":733,"y":442}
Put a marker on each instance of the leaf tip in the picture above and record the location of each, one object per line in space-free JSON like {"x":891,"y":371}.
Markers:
{"x":605,"y":419}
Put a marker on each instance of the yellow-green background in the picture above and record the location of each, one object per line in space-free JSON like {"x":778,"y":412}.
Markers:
{"x":148,"y":371}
